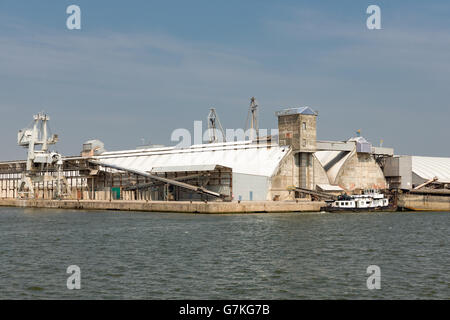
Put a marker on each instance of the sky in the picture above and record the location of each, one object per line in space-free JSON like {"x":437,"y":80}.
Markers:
{"x":141,"y":69}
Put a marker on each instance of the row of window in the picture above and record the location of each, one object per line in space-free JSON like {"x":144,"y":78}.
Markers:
{"x":346,"y":203}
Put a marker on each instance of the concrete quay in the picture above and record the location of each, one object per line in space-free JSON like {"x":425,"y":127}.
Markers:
{"x":171,"y":206}
{"x":428,"y":201}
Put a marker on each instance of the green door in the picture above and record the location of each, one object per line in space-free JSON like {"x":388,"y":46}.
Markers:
{"x":115,"y":193}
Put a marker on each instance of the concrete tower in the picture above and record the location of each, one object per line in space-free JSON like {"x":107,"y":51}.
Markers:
{"x":297,"y":129}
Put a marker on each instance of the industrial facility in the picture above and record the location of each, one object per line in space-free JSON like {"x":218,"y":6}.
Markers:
{"x":289,"y":166}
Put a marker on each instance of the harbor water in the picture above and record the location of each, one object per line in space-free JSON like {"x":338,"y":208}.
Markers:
{"x":131,"y":255}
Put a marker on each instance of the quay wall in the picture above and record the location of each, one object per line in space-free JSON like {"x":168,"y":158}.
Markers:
{"x":168,"y":206}
{"x":424,"y":202}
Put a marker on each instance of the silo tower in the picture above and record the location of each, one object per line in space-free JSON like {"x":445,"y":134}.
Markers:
{"x":297,"y":129}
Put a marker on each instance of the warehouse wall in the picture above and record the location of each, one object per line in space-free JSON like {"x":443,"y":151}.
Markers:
{"x":399,"y":171}
{"x":250,"y":187}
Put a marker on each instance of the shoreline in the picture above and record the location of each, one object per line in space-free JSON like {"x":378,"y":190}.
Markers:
{"x":170,"y":206}
{"x":406,"y":202}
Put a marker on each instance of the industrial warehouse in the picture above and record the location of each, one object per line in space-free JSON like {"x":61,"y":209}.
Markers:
{"x":291,"y":171}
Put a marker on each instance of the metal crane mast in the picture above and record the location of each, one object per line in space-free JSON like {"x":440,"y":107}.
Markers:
{"x":252,"y":116}
{"x":37,"y":135}
{"x":38,"y":160}
{"x":214,"y":126}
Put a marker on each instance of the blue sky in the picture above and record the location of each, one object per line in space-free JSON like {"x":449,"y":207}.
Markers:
{"x":140,"y":69}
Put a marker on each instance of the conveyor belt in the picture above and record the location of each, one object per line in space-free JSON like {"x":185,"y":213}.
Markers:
{"x":165,"y":180}
{"x":319,"y":194}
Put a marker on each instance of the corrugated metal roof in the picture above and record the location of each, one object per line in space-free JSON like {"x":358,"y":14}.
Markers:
{"x":242,"y":156}
{"x":301,"y":110}
{"x":430,"y":167}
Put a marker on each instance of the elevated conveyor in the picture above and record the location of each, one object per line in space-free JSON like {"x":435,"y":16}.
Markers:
{"x":318,"y":194}
{"x":180,"y":184}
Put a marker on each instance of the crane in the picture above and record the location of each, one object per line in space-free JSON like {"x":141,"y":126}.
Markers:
{"x":252,"y":119}
{"x":214,"y":126}
{"x":31,"y":137}
{"x":35,"y":136}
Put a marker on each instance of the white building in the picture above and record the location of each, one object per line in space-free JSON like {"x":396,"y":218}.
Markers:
{"x":253,"y":165}
{"x":406,"y":172}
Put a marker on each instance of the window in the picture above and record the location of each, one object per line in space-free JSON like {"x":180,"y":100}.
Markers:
{"x":304,"y":142}
{"x":304,"y":125}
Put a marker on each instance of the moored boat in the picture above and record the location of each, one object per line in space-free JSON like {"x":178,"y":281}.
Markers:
{"x":369,"y":200}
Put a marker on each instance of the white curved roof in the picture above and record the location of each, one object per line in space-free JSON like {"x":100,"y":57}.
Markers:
{"x":242,"y":156}
{"x":430,"y":167}
{"x":332,"y":162}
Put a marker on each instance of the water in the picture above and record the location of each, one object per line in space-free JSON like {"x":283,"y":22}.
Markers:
{"x":260,"y":256}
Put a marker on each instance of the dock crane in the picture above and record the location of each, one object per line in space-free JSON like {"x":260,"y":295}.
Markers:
{"x":214,"y":126}
{"x":252,"y":119}
{"x":42,"y":160}
{"x":35,"y":136}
